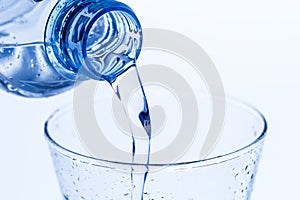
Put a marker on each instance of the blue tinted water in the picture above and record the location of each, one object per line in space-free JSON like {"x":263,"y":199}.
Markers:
{"x":137,"y":190}
{"x":25,"y":70}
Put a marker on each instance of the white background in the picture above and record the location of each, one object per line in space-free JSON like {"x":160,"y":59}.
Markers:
{"x":256,"y":48}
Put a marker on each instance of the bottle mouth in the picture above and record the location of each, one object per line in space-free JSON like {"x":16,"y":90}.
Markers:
{"x":112,"y":44}
{"x":94,"y":39}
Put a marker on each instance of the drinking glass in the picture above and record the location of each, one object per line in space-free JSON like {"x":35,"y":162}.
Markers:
{"x":226,"y":173}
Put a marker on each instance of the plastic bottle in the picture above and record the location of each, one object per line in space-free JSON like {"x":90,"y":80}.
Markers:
{"x":45,"y":46}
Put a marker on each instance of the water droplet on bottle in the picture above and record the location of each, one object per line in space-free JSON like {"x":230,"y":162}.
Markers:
{"x":49,"y":50}
{"x":58,"y":7}
{"x":11,"y":88}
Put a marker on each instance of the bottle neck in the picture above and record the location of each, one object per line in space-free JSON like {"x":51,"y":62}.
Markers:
{"x":98,"y":39}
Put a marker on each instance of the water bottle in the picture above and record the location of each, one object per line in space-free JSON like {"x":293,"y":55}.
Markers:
{"x":45,"y":46}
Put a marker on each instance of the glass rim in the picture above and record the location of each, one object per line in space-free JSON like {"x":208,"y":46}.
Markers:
{"x":201,"y":162}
